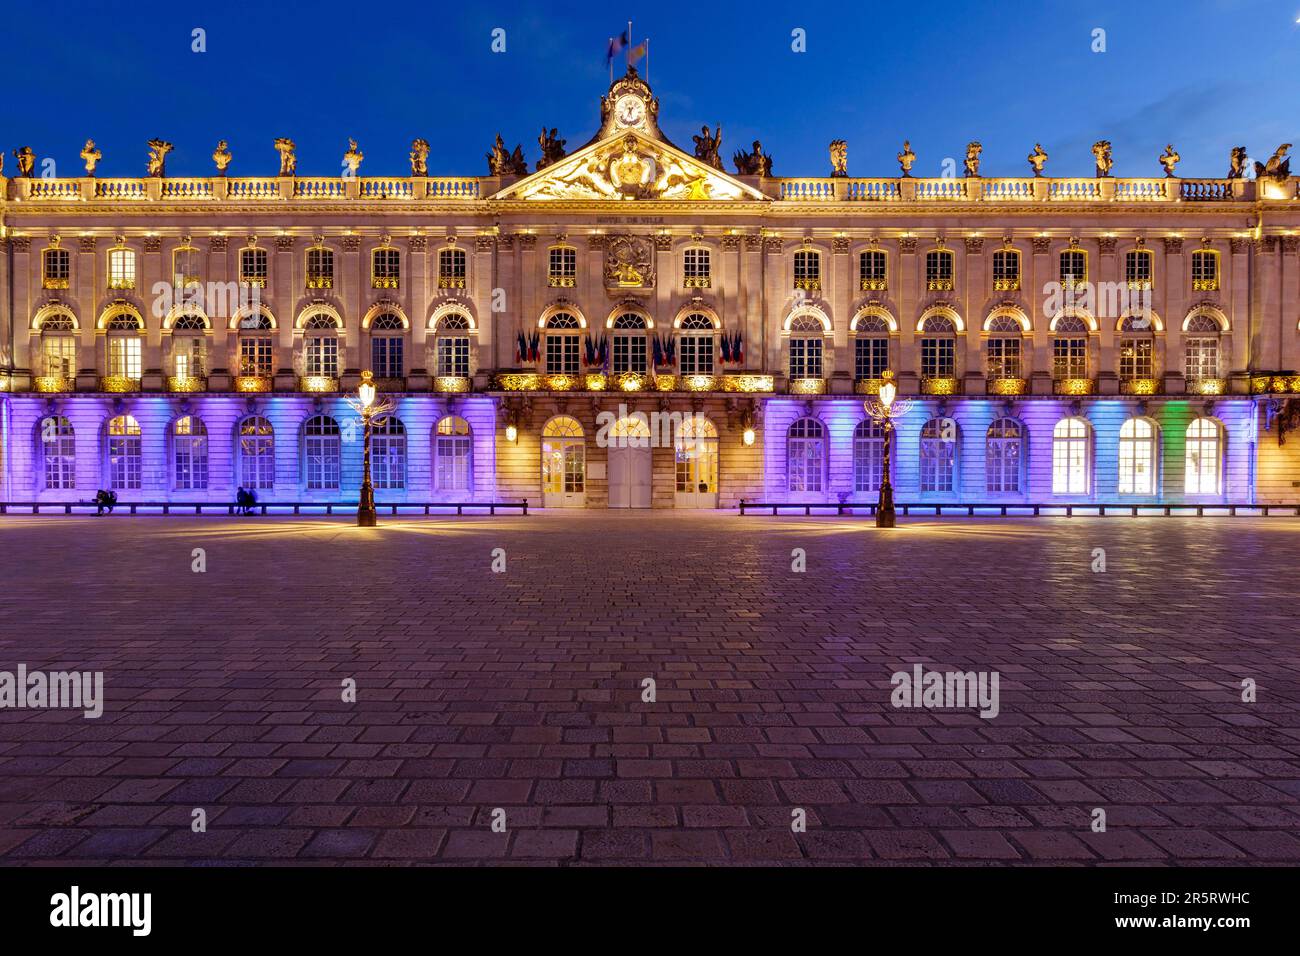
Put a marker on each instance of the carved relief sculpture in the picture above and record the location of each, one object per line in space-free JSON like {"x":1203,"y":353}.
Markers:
{"x":1237,"y":163}
{"x":1101,"y":153}
{"x":839,"y":157}
{"x":906,"y":158}
{"x":707,"y":146}
{"x":288,"y":159}
{"x":1169,"y":159}
{"x":419,"y":158}
{"x":552,"y":148}
{"x":91,"y":156}
{"x":26,"y":161}
{"x":756,"y":163}
{"x":352,"y":158}
{"x":973,"y":151}
{"x":1278,"y":166}
{"x":221,"y":157}
{"x":629,"y":263}
{"x":158,"y":150}
{"x":1038,"y":159}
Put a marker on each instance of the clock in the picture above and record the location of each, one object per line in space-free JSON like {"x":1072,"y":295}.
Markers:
{"x":629,"y":110}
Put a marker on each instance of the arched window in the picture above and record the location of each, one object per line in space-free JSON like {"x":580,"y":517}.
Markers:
{"x":1204,"y":457}
{"x":806,"y":456}
{"x":939,"y":348}
{"x":256,"y":346}
{"x":562,"y":344}
{"x":629,"y":343}
{"x":59,"y":450}
{"x":453,"y":450}
{"x":124,"y":346}
{"x":1137,"y":457}
{"x":451,"y":268}
{"x":871,"y":348}
{"x":59,"y":346}
{"x":453,"y":346}
{"x":256,"y":454}
{"x":563,"y":461}
{"x":189,"y":346}
{"x":1004,"y":450}
{"x":868,"y":456}
{"x":1138,"y":269}
{"x":806,"y":348}
{"x":322,"y":453}
{"x":1071,"y":451}
{"x":695,"y":345}
{"x":938,"y":271}
{"x":696,"y":452}
{"x":1070,"y":349}
{"x":388,"y":453}
{"x":124,"y":470}
{"x":1137,"y":349}
{"x":807,"y":270}
{"x":190,"y":454}
{"x":1004,"y":348}
{"x":1201,"y":351}
{"x":939,"y":455}
{"x":386,"y":346}
{"x":321,"y":346}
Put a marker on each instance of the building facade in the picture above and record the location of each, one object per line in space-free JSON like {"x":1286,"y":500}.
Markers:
{"x":629,"y":325}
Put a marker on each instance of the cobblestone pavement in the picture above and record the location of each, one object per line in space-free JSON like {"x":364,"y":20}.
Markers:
{"x":523,"y":690}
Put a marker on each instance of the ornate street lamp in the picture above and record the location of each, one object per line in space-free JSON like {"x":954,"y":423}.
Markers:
{"x":883,"y":411}
{"x":372,"y":409}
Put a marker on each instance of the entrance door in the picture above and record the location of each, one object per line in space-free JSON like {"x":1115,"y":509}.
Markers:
{"x":564,"y":464}
{"x":696,"y":447}
{"x":629,"y":463}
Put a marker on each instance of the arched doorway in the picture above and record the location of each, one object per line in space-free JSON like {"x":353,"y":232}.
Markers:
{"x":629,"y":463}
{"x":564,"y":464}
{"x":696,"y":448}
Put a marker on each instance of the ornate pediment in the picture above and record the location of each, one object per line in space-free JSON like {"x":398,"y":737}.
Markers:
{"x":630,"y":166}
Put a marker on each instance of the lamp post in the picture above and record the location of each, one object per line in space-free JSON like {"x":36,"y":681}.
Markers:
{"x":882,"y":411}
{"x":369,"y":408}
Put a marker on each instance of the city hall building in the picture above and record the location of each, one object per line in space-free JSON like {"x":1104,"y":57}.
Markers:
{"x":175,"y":339}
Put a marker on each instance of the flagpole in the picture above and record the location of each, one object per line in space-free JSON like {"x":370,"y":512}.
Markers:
{"x":611,"y":61}
{"x":627,"y":57}
{"x":647,"y":61}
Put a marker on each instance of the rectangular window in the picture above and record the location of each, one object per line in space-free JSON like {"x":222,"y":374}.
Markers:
{"x":870,"y":358}
{"x":185,"y":267}
{"x":1136,"y":359}
{"x":190,"y":357}
{"x":323,"y":356}
{"x":1074,"y":268}
{"x":871,"y":271}
{"x":1004,"y":358}
{"x":695,"y":269}
{"x":938,"y":457}
{"x":563,"y":267}
{"x":938,"y":271}
{"x":253,"y":266}
{"x":121,"y":269}
{"x":806,"y":358}
{"x":59,"y":354}
{"x":807,"y":271}
{"x":1069,"y":358}
{"x":1205,"y":271}
{"x":453,"y":355}
{"x":938,"y":358}
{"x":255,"y":357}
{"x":60,"y":449}
{"x":1006,"y":270}
{"x":124,"y":356}
{"x":629,"y":353}
{"x":57,"y":269}
{"x":695,"y":354}
{"x":386,"y":269}
{"x":451,"y":269}
{"x":388,"y":454}
{"x":1137,"y":269}
{"x":386,"y":356}
{"x":1202,"y":359}
{"x":322,"y":462}
{"x":1070,"y":466}
{"x":320,"y":269}
{"x":561,"y":354}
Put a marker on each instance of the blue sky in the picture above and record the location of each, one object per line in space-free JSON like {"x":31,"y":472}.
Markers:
{"x":1207,"y":75}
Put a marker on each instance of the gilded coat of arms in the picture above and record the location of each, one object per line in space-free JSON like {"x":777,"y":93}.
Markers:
{"x":629,"y":263}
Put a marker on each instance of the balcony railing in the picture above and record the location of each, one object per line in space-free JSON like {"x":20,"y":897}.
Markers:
{"x":632,"y":382}
{"x":252,"y":383}
{"x":451,"y":383}
{"x":874,"y":285}
{"x":561,"y":282}
{"x":868,"y":386}
{"x":320,"y":282}
{"x":186,"y":383}
{"x":383,"y":282}
{"x":1006,"y":386}
{"x":1205,"y":285}
{"x":1207,"y":386}
{"x":52,"y":383}
{"x":811,"y":284}
{"x":1007,"y":284}
{"x":696,"y":282}
{"x":119,"y":383}
{"x":1074,"y":386}
{"x":1139,"y":386}
{"x":938,"y":285}
{"x":941,"y":385}
{"x":317,"y":383}
{"x":807,"y":386}
{"x":451,"y":282}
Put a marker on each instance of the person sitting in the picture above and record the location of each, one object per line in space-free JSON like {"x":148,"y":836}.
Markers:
{"x":250,"y":498}
{"x":104,"y":501}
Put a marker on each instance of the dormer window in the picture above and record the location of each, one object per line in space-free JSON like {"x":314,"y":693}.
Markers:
{"x":451,"y":269}
{"x":696,"y":267}
{"x":385,"y":268}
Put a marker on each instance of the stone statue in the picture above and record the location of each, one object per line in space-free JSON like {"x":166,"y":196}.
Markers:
{"x":1278,"y":166}
{"x":756,"y":163}
{"x":1038,"y":159}
{"x":419,"y":158}
{"x":1169,"y":159}
{"x":518,"y":166}
{"x":90,"y":156}
{"x":221,"y":156}
{"x":353,"y":157}
{"x":158,"y":150}
{"x":1237,"y":163}
{"x":1101,"y":152}
{"x":26,"y":157}
{"x":288,"y":158}
{"x":973,"y":151}
{"x":499,"y":159}
{"x":906,"y":158}
{"x":552,"y":148}
{"x":707,"y":146}
{"x":839,"y":157}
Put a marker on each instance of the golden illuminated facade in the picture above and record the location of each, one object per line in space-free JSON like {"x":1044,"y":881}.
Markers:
{"x":1083,"y":339}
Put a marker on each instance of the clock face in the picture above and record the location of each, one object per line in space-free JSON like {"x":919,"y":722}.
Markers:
{"x":629,"y":110}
